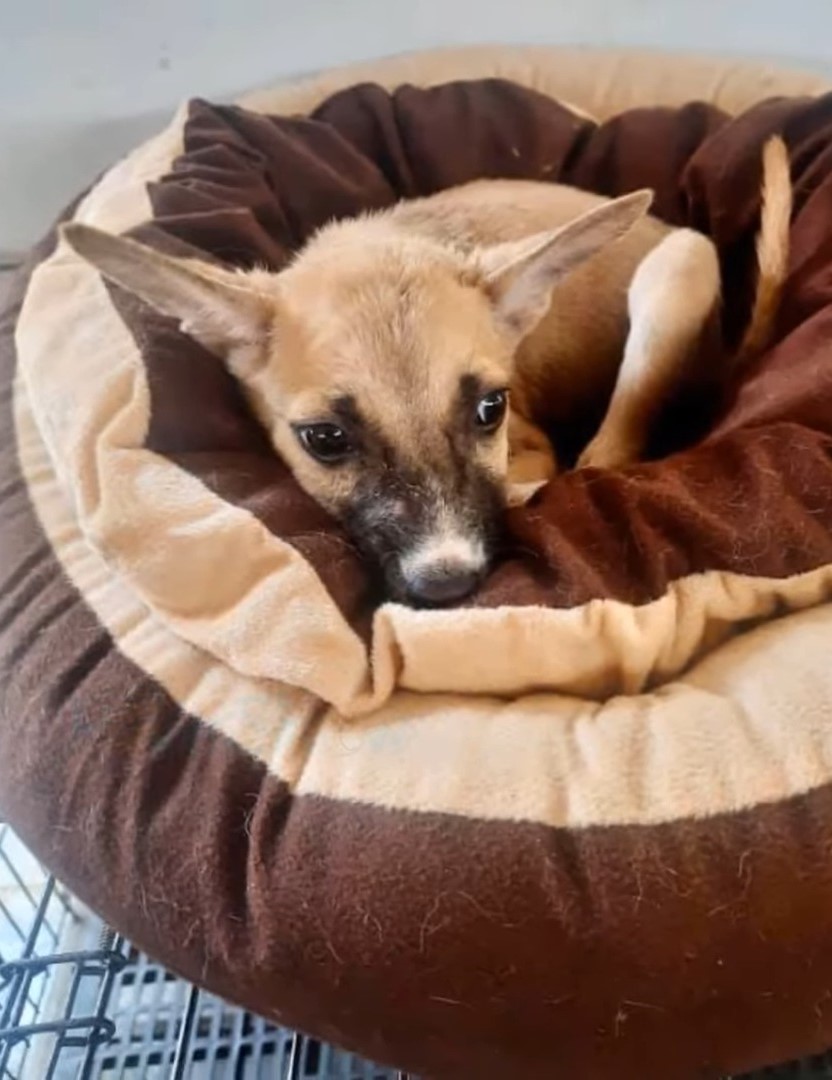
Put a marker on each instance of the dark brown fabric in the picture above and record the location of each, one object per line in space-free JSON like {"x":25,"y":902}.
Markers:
{"x":755,"y":498}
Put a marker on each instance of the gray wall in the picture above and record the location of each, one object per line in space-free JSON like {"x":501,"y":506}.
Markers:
{"x":81,"y":80}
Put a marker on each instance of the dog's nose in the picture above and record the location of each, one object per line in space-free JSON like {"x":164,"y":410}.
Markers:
{"x":442,"y":583}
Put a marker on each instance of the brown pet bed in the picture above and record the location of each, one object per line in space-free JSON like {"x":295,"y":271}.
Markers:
{"x":578,"y":827}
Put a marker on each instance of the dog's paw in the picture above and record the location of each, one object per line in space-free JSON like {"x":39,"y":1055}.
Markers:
{"x":520,"y":494}
{"x":608,"y":453}
{"x":526,"y":476}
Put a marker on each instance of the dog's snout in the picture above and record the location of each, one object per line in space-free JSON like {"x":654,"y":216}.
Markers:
{"x":443,"y":572}
{"x":432,"y":535}
{"x":443,"y":583}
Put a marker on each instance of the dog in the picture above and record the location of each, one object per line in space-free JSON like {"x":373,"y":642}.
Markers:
{"x":408,"y":363}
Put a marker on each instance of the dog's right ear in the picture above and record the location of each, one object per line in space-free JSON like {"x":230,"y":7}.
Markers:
{"x":217,"y":307}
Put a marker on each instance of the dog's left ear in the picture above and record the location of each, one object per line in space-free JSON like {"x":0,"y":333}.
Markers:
{"x":218,"y":307}
{"x":519,"y":275}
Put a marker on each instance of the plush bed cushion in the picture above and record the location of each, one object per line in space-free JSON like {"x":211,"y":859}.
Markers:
{"x":574,"y":884}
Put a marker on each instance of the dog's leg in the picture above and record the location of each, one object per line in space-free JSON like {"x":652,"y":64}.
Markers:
{"x":671,"y":298}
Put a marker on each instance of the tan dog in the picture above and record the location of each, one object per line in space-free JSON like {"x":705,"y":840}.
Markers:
{"x":407,"y":362}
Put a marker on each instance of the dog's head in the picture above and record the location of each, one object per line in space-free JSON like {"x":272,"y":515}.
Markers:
{"x":380,"y":364}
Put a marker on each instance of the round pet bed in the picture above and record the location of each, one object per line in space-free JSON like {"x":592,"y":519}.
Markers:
{"x":578,"y":827}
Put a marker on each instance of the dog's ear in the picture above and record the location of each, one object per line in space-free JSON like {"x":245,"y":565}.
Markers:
{"x":519,"y":275}
{"x":215,"y":306}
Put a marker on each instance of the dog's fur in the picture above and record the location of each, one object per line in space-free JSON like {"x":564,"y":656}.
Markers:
{"x":395,"y":326}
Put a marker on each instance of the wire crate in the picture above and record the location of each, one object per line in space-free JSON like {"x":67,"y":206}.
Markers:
{"x":78,"y":1002}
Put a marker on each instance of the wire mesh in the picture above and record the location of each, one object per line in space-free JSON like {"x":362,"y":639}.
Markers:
{"x":78,"y":1002}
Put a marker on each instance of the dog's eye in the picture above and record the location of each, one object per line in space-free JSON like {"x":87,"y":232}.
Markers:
{"x":491,"y":409}
{"x":327,"y":443}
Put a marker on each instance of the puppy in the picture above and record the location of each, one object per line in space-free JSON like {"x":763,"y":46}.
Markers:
{"x":407,"y":363}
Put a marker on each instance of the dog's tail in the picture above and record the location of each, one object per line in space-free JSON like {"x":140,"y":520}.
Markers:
{"x":772,"y":248}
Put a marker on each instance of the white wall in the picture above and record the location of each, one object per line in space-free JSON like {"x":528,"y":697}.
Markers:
{"x":82,"y":80}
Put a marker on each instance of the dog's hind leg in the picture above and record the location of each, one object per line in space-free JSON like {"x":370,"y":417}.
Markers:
{"x":671,"y":299}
